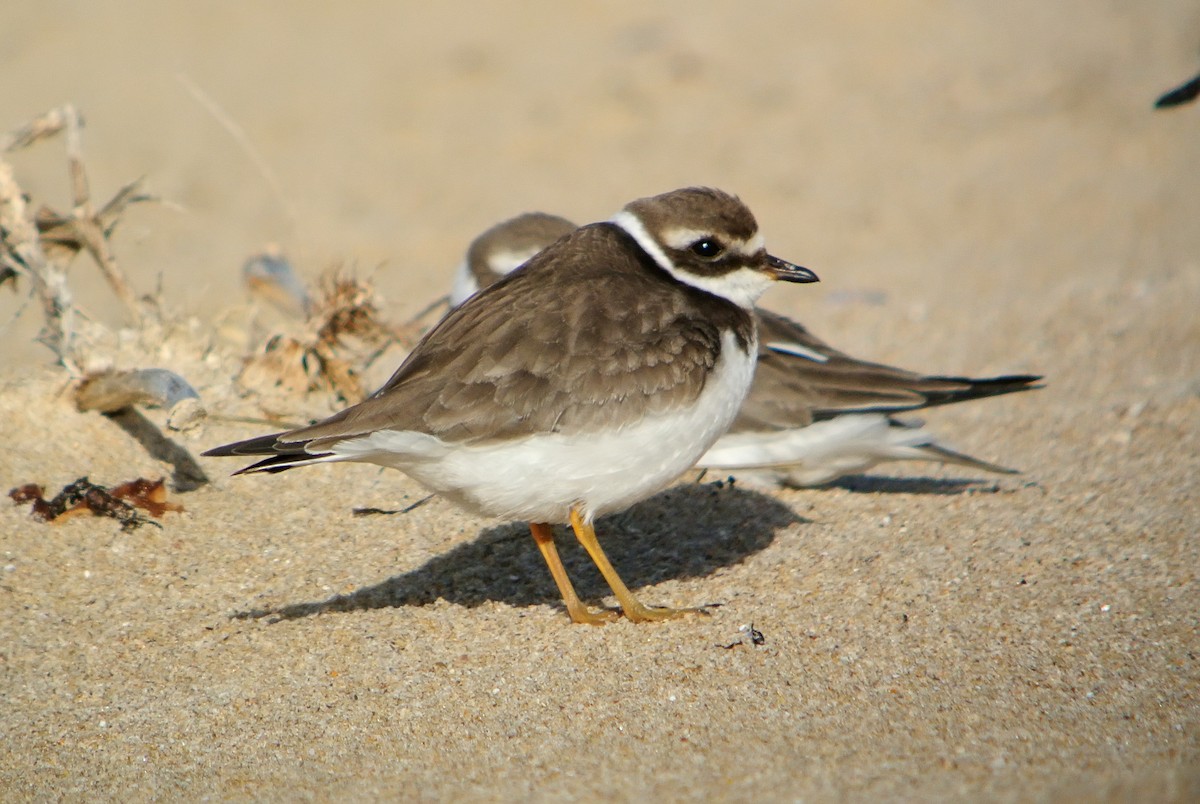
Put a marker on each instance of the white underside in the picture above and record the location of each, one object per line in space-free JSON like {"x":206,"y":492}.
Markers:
{"x":540,"y":478}
{"x":465,"y":286}
{"x":825,"y":450}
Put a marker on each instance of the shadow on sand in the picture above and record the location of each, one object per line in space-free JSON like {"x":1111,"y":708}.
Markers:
{"x":685,"y":532}
{"x":882,"y":484}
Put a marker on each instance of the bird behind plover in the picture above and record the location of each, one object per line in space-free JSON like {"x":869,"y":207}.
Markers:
{"x":813,"y":413}
{"x":575,"y":387}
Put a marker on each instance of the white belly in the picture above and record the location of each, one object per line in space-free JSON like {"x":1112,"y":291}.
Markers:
{"x":540,"y":478}
{"x":817,"y":453}
{"x":826,"y":450}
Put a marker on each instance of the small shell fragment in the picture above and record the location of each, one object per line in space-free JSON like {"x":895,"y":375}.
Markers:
{"x":270,"y":277}
{"x":110,"y":391}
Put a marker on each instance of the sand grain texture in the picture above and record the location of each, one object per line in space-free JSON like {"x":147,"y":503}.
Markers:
{"x":981,"y":188}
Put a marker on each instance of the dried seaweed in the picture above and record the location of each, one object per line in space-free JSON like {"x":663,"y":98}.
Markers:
{"x":121,"y":502}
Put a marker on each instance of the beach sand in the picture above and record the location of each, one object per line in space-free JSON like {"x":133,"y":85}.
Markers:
{"x":983,"y":188}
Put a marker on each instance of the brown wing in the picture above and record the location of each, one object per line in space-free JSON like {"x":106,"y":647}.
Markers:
{"x":801,"y":379}
{"x":584,"y":335}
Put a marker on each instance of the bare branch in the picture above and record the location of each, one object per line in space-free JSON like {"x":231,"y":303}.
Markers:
{"x":22,"y":252}
{"x":47,"y":125}
{"x":79,"y":183}
{"x":64,"y":236}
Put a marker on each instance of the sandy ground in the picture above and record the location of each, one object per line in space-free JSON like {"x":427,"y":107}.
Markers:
{"x":982,"y":187}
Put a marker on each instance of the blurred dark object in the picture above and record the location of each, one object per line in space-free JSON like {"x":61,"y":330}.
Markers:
{"x":270,"y":277}
{"x":1180,"y":95}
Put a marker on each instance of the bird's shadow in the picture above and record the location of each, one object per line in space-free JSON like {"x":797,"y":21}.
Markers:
{"x":687,"y":531}
{"x":884,"y":484}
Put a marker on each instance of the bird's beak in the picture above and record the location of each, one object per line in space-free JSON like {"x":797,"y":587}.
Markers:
{"x":786,"y":271}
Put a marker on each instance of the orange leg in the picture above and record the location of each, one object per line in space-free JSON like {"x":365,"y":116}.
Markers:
{"x":630,"y":605}
{"x":543,"y":534}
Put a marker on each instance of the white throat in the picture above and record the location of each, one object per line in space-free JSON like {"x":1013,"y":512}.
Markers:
{"x":743,"y":287}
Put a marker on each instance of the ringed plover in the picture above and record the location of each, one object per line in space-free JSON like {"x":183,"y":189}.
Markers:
{"x":575,"y":387}
{"x":813,"y":413}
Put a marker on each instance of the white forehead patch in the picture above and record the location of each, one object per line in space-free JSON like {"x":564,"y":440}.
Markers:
{"x":742,"y":287}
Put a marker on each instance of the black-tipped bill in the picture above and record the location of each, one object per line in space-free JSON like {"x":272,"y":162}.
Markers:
{"x":786,"y":271}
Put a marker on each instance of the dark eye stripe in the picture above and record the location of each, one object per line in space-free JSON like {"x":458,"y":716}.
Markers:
{"x":727,"y":263}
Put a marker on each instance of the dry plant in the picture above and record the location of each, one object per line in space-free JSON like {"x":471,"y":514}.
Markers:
{"x":342,"y":333}
{"x":40,"y":247}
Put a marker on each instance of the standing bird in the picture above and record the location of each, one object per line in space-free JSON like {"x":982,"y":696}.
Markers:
{"x":576,"y":386}
{"x":813,"y":413}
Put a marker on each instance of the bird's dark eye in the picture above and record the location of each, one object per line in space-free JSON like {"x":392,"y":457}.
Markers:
{"x":707,"y":248}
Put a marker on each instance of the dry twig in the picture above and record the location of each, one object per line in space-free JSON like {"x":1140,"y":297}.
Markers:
{"x":21,"y":252}
{"x":64,"y":236}
{"x":242,"y":139}
{"x":41,"y":246}
{"x":40,"y":128}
